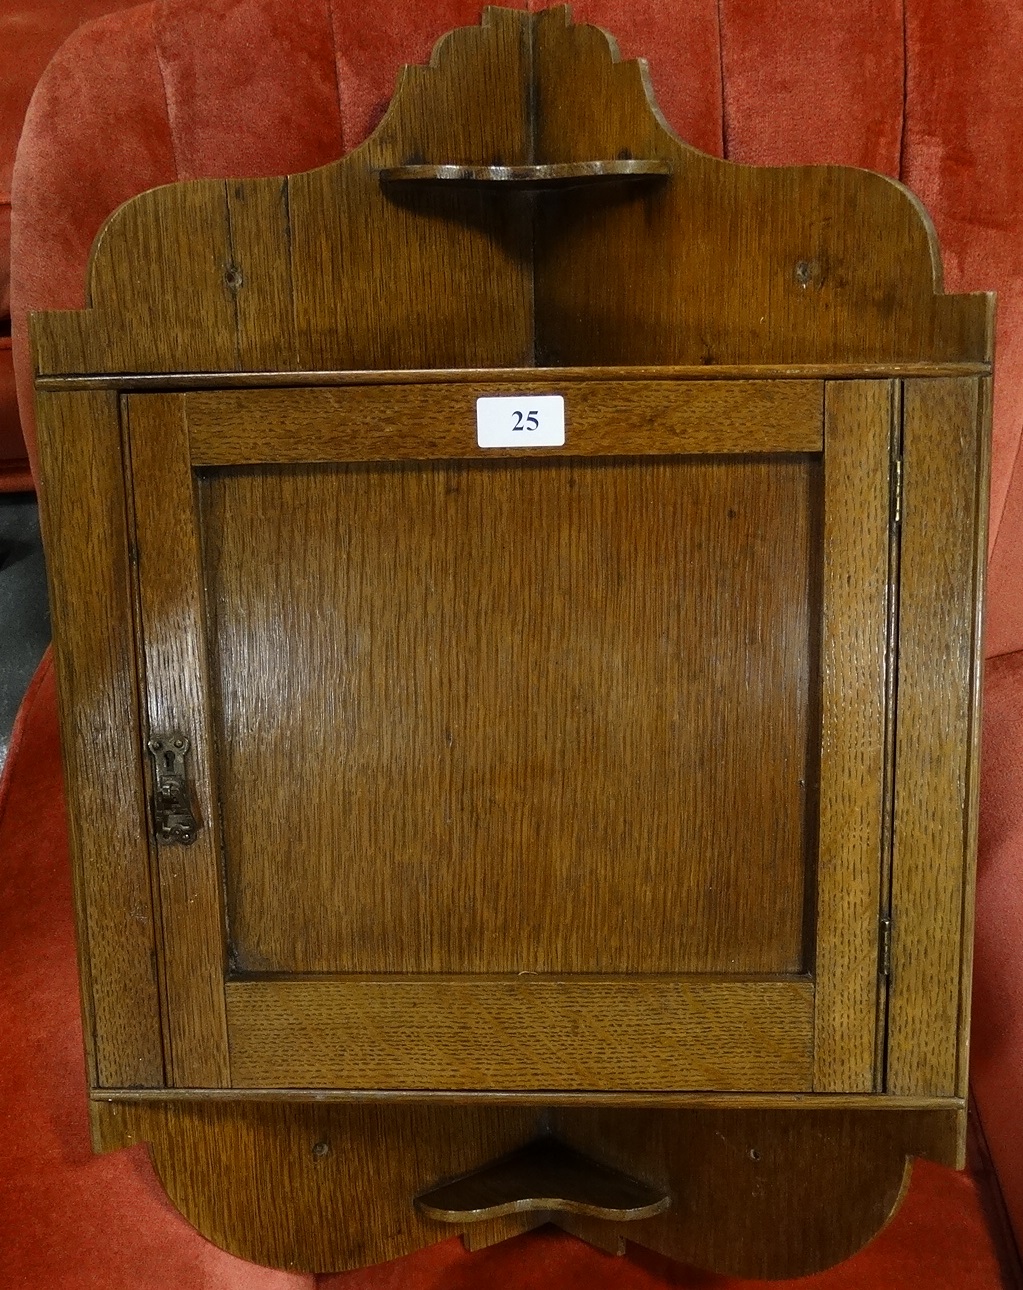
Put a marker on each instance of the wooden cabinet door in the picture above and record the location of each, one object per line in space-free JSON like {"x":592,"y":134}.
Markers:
{"x":560,"y":768}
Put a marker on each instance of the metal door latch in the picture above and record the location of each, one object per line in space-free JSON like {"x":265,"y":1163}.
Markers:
{"x":173,"y":819}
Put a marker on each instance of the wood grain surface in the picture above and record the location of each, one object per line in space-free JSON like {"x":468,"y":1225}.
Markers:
{"x":935,"y":795}
{"x":700,"y":1100}
{"x":539,"y":663}
{"x":269,"y":379}
{"x":985,"y":395}
{"x":543,"y":1176}
{"x":85,"y":528}
{"x":859,"y":428}
{"x":573,"y":716}
{"x":716,"y":264}
{"x":327,"y":1187}
{"x":374,"y":423}
{"x":521,"y":1033}
{"x":173,"y":667}
{"x":572,"y":174}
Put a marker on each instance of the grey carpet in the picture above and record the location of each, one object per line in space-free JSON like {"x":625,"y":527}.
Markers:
{"x":24,"y":611}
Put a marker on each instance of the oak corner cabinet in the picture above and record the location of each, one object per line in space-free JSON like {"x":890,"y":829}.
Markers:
{"x":517,"y":600}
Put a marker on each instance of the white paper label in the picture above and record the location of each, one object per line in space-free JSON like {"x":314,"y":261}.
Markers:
{"x":520,"y":421}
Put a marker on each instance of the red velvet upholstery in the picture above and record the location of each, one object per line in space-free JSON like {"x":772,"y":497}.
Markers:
{"x":14,"y":472}
{"x":188,"y":88}
{"x":30,"y":31}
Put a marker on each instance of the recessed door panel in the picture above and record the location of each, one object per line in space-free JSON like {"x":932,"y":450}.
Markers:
{"x":514,"y":717}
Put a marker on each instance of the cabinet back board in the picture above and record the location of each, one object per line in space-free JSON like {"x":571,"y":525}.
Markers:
{"x":629,"y":780}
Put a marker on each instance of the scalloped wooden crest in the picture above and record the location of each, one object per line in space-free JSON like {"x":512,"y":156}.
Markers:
{"x":564,"y":224}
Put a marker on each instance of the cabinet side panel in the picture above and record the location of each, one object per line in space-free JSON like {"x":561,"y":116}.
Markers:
{"x":973,"y":798}
{"x":935,"y":758}
{"x":83,"y":513}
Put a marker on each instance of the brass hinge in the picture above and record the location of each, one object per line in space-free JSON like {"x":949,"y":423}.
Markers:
{"x":885,"y":948}
{"x":897,"y":491}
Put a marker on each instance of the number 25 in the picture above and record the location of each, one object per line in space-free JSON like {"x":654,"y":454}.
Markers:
{"x":532,"y":420}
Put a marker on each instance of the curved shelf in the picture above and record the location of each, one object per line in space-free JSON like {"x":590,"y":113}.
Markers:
{"x":547,"y":1176}
{"x":566,"y":174}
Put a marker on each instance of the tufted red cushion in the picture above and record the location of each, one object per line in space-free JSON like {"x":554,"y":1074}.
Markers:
{"x":30,"y":31}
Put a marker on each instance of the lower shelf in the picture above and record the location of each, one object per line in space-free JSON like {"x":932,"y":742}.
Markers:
{"x":543,"y":1177}
{"x":326,"y":1185}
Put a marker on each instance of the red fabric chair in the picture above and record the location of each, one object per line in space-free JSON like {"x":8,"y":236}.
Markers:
{"x":930,"y":92}
{"x":30,"y":32}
